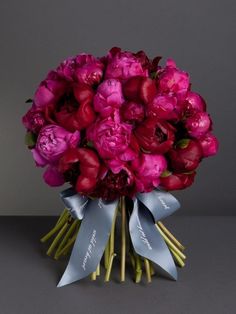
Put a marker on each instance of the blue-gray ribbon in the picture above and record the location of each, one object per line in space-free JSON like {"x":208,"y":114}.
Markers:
{"x":91,"y":240}
{"x":147,"y":241}
{"x":96,"y":225}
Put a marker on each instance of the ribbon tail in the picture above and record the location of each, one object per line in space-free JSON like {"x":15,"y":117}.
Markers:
{"x":91,"y":241}
{"x":148,"y":242}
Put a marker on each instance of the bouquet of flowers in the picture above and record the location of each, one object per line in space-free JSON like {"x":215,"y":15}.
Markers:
{"x":123,"y":131}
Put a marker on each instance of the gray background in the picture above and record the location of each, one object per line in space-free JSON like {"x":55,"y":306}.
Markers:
{"x":37,"y":35}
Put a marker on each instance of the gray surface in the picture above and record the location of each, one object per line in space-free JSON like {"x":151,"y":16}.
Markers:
{"x":206,"y":285}
{"x":37,"y":35}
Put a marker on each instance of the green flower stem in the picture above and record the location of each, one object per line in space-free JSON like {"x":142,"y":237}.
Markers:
{"x":123,"y":239}
{"x":98,"y":270}
{"x":148,"y":270}
{"x":106,"y":254}
{"x":93,"y":275}
{"x":69,"y":244}
{"x":171,"y":236}
{"x":57,"y":238}
{"x":112,"y":236}
{"x":108,"y":272}
{"x":170,"y":244}
{"x":55,"y":229}
{"x":62,"y":215}
{"x":152,"y":269}
{"x":178,"y":260}
{"x":66,"y":238}
{"x":132,"y":260}
{"x":138,"y":275}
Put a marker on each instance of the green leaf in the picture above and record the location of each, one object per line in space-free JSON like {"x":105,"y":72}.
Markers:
{"x":90,"y":144}
{"x":165,"y":174}
{"x":153,"y":75}
{"x":183,"y":143}
{"x":145,"y":151}
{"x":29,"y":101}
{"x":30,"y":139}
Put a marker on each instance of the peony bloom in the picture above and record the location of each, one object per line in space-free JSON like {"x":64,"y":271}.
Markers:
{"x":66,"y":69}
{"x":132,"y":112}
{"x":108,"y":97}
{"x":123,"y":65}
{"x":89,"y":70}
{"x":52,"y":142}
{"x":114,"y":185}
{"x":177,"y":181}
{"x":155,"y":136}
{"x":198,"y":124}
{"x":172,"y":80}
{"x":113,"y":141}
{"x":140,"y":89}
{"x":163,"y":107}
{"x":34,"y":119}
{"x":147,"y":169}
{"x":209,"y":144}
{"x":193,"y":103}
{"x":80,"y":166}
{"x":186,"y":156}
{"x":49,"y":90}
{"x":73,"y":110}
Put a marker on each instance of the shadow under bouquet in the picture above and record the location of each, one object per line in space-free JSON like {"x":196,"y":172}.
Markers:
{"x":123,"y":131}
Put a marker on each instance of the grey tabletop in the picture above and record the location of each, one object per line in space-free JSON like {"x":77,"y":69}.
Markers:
{"x":207,"y":284}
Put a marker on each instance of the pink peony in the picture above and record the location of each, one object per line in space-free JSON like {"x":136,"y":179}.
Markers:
{"x":147,"y":169}
{"x":163,"y":107}
{"x":33,"y":120}
{"x":113,"y":141}
{"x":89,"y":69}
{"x":49,"y":90}
{"x":122,"y":65}
{"x":172,"y":80}
{"x":52,"y":142}
{"x":198,"y":124}
{"x":209,"y":144}
{"x":108,"y":97}
{"x":67,"y":69}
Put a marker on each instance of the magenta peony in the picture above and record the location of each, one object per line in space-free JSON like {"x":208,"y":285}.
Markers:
{"x":108,"y":97}
{"x":209,"y":144}
{"x":172,"y":80}
{"x":52,"y":142}
{"x":198,"y":124}
{"x":89,"y":69}
{"x":34,"y":119}
{"x":124,"y":64}
{"x":147,"y":169}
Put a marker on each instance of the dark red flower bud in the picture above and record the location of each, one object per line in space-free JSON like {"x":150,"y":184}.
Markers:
{"x":132,"y":111}
{"x":176,"y":181}
{"x":155,"y":136}
{"x":80,"y":167}
{"x":140,"y":89}
{"x":83,"y":93}
{"x":186,"y":156}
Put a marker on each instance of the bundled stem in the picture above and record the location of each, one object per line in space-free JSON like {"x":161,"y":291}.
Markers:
{"x":65,"y":233}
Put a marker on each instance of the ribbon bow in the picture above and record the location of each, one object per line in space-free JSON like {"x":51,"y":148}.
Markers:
{"x":97,"y":215}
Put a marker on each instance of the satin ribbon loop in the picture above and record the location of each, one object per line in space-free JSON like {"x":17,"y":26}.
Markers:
{"x":147,"y":241}
{"x":92,"y":238}
{"x":74,"y":202}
